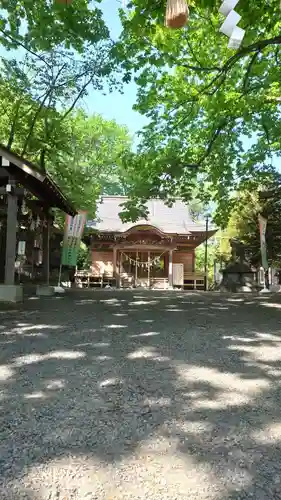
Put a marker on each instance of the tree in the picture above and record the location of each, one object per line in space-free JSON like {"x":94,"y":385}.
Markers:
{"x":243,"y":223}
{"x":214,"y":112}
{"x":39,"y":121}
{"x":38,"y":101}
{"x":44,"y":25}
{"x":214,"y":260}
{"x":87,"y":160}
{"x":92,"y":164}
{"x":35,"y":90}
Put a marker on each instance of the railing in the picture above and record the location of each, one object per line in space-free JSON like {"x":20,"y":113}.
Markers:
{"x":126,"y":279}
{"x":194,"y":280}
{"x":87,"y":279}
{"x":160,"y":283}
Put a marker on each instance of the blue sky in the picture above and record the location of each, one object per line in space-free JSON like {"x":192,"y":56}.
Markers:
{"x":115,"y":105}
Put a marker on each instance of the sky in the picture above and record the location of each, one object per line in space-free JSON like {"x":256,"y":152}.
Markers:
{"x":115,"y":105}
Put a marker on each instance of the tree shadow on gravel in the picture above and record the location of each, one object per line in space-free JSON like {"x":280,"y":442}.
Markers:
{"x":109,"y":377}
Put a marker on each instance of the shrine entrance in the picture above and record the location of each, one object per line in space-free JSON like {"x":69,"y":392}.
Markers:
{"x":144,"y":266}
{"x":144,"y":258}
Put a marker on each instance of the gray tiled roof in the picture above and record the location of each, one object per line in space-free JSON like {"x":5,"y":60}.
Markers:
{"x":174,"y":220}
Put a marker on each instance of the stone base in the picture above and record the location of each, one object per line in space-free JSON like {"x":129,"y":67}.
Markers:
{"x":11,"y":293}
{"x":244,"y":289}
{"x":45,"y":291}
{"x":264,"y":290}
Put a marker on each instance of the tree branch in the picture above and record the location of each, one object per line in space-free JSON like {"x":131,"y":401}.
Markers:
{"x":201,"y":68}
{"x":13,"y":125}
{"x":39,"y":110}
{"x":76,"y":99}
{"x":20,"y":44}
{"x":213,"y":139}
{"x":247,"y":74}
{"x":254,"y":47}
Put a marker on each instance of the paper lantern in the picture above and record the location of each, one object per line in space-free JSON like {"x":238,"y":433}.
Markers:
{"x":176,"y":13}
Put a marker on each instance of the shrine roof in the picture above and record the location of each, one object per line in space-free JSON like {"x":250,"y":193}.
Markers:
{"x":170,"y":220}
{"x":40,"y":184}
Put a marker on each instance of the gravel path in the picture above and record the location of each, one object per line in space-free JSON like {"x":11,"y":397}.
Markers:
{"x":141,"y":395}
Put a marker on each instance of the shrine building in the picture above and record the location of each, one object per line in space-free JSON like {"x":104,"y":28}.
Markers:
{"x":155,"y":253}
{"x":27,"y":197}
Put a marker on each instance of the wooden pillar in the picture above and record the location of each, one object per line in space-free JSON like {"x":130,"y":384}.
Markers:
{"x":148,"y":268}
{"x":11,"y":235}
{"x":114,"y":261}
{"x":120,"y":269}
{"x":115,"y":273}
{"x":46,"y":251}
{"x":2,"y":249}
{"x":170,"y":268}
{"x":136,"y":268}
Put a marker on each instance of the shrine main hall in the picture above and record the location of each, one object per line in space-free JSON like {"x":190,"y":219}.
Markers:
{"x":150,"y":253}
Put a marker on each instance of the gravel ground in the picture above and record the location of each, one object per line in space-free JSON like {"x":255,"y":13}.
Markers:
{"x":141,"y":395}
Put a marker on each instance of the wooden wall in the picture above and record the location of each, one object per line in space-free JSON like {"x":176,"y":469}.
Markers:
{"x":185,"y":258}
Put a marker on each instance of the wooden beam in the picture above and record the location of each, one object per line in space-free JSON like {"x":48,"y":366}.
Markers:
{"x":8,"y":157}
{"x":16,"y":191}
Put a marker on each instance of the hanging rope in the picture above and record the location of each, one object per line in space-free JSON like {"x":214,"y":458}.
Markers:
{"x":139,"y":263}
{"x":176,"y":14}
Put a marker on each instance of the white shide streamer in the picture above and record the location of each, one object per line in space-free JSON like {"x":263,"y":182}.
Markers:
{"x":229,"y":26}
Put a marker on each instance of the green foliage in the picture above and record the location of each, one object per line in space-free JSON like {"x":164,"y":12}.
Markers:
{"x":214,"y":113}
{"x":38,"y":94}
{"x":38,"y":98}
{"x":243,"y":223}
{"x":42,"y":25}
{"x":92,"y":163}
{"x":83,"y":260}
{"x":212,"y":257}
